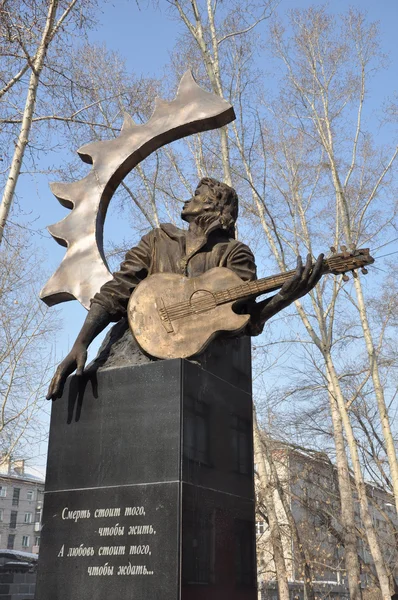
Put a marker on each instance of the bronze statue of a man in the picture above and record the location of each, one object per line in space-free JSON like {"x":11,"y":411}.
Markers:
{"x":209,"y":242}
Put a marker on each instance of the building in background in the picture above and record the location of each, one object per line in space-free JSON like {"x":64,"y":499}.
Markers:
{"x":21,"y":504}
{"x":309,"y":480}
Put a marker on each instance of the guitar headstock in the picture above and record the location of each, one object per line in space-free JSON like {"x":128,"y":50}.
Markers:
{"x":349,"y":260}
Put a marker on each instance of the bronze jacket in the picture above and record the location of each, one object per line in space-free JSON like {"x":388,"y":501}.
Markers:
{"x":163,"y":250}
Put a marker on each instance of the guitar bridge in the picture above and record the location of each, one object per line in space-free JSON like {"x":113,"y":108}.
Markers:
{"x":164,"y":316}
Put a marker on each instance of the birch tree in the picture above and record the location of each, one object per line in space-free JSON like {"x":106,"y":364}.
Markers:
{"x":212,"y":29}
{"x":29,"y":32}
{"x":267,"y":494}
{"x":339,"y":87}
{"x":26,"y":332}
{"x":272,"y":495}
{"x":322,"y":100}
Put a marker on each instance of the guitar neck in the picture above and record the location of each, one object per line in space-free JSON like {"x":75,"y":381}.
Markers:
{"x":260,"y":286}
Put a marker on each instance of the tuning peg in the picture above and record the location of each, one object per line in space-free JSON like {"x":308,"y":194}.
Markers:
{"x":352,"y":246}
{"x":345,"y":277}
{"x":343,"y":248}
{"x":364,"y":271}
{"x":333,"y":249}
{"x":355,"y":274}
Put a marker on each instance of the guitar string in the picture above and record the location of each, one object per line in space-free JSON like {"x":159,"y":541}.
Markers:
{"x":186,"y":308}
{"x":183,"y":309}
{"x":251,"y":288}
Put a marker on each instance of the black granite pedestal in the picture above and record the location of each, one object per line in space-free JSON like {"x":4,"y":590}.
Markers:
{"x":149,"y":492}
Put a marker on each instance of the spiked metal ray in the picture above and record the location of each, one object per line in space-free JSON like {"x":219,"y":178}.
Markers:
{"x":83,"y":269}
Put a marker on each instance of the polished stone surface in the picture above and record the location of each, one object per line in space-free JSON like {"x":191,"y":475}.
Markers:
{"x":173,"y":441}
{"x":103,"y":430}
{"x":109,"y":553}
{"x":224,"y":404}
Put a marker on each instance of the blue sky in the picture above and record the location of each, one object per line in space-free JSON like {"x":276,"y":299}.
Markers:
{"x":145,"y":38}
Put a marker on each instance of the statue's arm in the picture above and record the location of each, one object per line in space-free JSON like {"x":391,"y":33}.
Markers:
{"x":109,"y":304}
{"x":241,"y":261}
{"x":115,"y":294}
{"x":96,"y":321}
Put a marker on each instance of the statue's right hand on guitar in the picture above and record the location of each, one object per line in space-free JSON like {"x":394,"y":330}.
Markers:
{"x":303,"y":281}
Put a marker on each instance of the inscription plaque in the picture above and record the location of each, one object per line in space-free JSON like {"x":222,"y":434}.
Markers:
{"x":107,"y":542}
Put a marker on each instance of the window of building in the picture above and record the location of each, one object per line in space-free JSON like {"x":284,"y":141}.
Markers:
{"x":15,"y":496}
{"x":25,"y":541}
{"x":37,"y":515}
{"x":245,"y":553}
{"x":10,"y":541}
{"x":261,"y":526}
{"x":241,"y":445}
{"x":196,"y":432}
{"x":1,"y":515}
{"x":28,"y":517}
{"x":37,"y":540}
{"x":3,"y":491}
{"x":13,"y":519}
{"x":30,"y":494}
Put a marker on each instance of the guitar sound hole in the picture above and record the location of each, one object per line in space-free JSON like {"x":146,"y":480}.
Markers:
{"x":201,"y":301}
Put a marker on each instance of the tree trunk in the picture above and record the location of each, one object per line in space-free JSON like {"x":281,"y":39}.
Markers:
{"x":366,"y":518}
{"x":379,"y":392}
{"x":212,"y":64}
{"x":23,"y":138}
{"x":267,"y":490}
{"x":347,"y":504}
{"x":371,"y":350}
{"x":309,"y":593}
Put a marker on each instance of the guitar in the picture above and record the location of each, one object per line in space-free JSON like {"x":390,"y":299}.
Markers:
{"x":172,"y":316}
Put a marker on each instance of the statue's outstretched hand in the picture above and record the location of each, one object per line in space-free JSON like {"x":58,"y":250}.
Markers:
{"x":76,"y":359}
{"x":305,"y":278}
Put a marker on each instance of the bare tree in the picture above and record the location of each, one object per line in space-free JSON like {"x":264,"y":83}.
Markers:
{"x":26,"y":330}
{"x":212,"y":29}
{"x":267,"y":497}
{"x":269,"y":463}
{"x":28,"y":32}
{"x":322,"y":86}
{"x":322,"y":98}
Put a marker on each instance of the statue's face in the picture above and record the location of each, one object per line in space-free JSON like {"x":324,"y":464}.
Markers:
{"x":201,"y":203}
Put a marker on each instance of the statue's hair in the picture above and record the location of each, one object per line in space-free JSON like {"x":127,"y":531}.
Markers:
{"x":227,"y":203}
